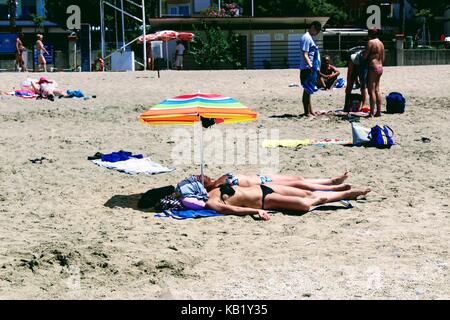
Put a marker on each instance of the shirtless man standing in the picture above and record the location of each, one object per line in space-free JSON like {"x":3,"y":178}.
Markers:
{"x":374,"y":55}
{"x":255,"y":200}
{"x":20,"y":63}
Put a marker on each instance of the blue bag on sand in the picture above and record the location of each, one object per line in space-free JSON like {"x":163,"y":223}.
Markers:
{"x":381,"y":137}
{"x":395,"y":103}
{"x":75,"y":93}
{"x":340,"y":83}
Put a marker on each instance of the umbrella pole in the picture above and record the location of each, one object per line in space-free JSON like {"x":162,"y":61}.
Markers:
{"x":202,"y":169}
{"x":167,"y":54}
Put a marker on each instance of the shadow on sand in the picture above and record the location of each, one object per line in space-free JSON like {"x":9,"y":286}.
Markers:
{"x":288,"y":116}
{"x":127,"y":202}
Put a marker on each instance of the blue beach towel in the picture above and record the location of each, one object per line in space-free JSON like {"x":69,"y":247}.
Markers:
{"x":120,"y":156}
{"x":189,"y":214}
{"x":310,"y":84}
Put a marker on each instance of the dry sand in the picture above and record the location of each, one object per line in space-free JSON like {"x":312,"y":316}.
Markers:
{"x":71,"y":230}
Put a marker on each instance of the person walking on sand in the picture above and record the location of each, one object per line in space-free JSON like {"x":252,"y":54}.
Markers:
{"x":374,"y":55}
{"x":20,"y":49}
{"x":308,"y":49}
{"x":41,"y":51}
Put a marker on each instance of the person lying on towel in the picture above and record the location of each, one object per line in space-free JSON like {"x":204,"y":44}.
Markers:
{"x":328,"y":184}
{"x":47,"y":89}
{"x":238,"y":200}
{"x":256,"y":200}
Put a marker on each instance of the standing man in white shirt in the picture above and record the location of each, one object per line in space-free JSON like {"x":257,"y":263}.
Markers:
{"x":179,"y":55}
{"x":309,"y":50}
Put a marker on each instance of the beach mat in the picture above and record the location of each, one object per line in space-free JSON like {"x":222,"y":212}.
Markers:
{"x":135,"y":166}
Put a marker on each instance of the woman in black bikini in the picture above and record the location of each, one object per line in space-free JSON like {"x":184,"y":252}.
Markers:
{"x":256,"y":200}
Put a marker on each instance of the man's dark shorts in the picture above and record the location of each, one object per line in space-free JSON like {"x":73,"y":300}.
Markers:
{"x":360,"y":73}
{"x":304,"y":75}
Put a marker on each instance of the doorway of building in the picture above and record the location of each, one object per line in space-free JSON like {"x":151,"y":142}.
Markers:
{"x":261,"y":51}
{"x":294,"y":50}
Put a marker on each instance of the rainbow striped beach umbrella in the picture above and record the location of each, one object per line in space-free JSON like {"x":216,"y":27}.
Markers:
{"x":190,"y":109}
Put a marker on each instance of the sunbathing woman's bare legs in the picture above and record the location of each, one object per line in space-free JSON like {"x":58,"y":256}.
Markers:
{"x":304,"y":185}
{"x":282,"y":179}
{"x":277,"y":201}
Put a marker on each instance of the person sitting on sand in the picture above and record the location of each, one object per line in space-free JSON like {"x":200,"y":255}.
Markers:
{"x":331,"y":184}
{"x":255,"y":200}
{"x":328,"y":74}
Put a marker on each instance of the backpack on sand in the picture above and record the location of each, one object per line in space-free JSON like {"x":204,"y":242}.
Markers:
{"x":396,"y":103}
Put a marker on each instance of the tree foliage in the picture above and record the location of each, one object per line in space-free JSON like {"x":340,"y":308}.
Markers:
{"x":215,"y":47}
{"x":427,"y":8}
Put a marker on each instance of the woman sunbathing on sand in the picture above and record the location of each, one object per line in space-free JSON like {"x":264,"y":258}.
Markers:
{"x":47,"y":89}
{"x":332,"y":184}
{"x":255,"y":200}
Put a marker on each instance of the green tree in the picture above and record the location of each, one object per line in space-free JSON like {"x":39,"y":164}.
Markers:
{"x":215,"y":48}
{"x":427,"y":8}
{"x":38,"y":21}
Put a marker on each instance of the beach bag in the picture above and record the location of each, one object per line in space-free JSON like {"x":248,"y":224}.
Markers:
{"x":360,"y":135}
{"x":381,"y":137}
{"x":395,"y":103}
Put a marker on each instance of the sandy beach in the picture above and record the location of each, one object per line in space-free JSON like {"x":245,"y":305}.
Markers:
{"x":71,"y":230}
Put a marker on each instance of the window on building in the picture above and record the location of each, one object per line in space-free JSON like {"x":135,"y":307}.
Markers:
{"x":29,"y":7}
{"x":179,"y":10}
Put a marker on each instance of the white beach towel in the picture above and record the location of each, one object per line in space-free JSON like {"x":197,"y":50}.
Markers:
{"x":135,"y":166}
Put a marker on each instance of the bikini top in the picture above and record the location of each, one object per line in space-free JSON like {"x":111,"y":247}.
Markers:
{"x":228,"y":190}
{"x":232,"y":180}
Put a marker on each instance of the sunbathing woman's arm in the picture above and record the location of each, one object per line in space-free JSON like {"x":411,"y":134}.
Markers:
{"x":236,"y":211}
{"x":217,"y":183}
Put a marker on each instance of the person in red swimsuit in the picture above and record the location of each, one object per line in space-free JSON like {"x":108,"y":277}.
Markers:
{"x":374,"y":55}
